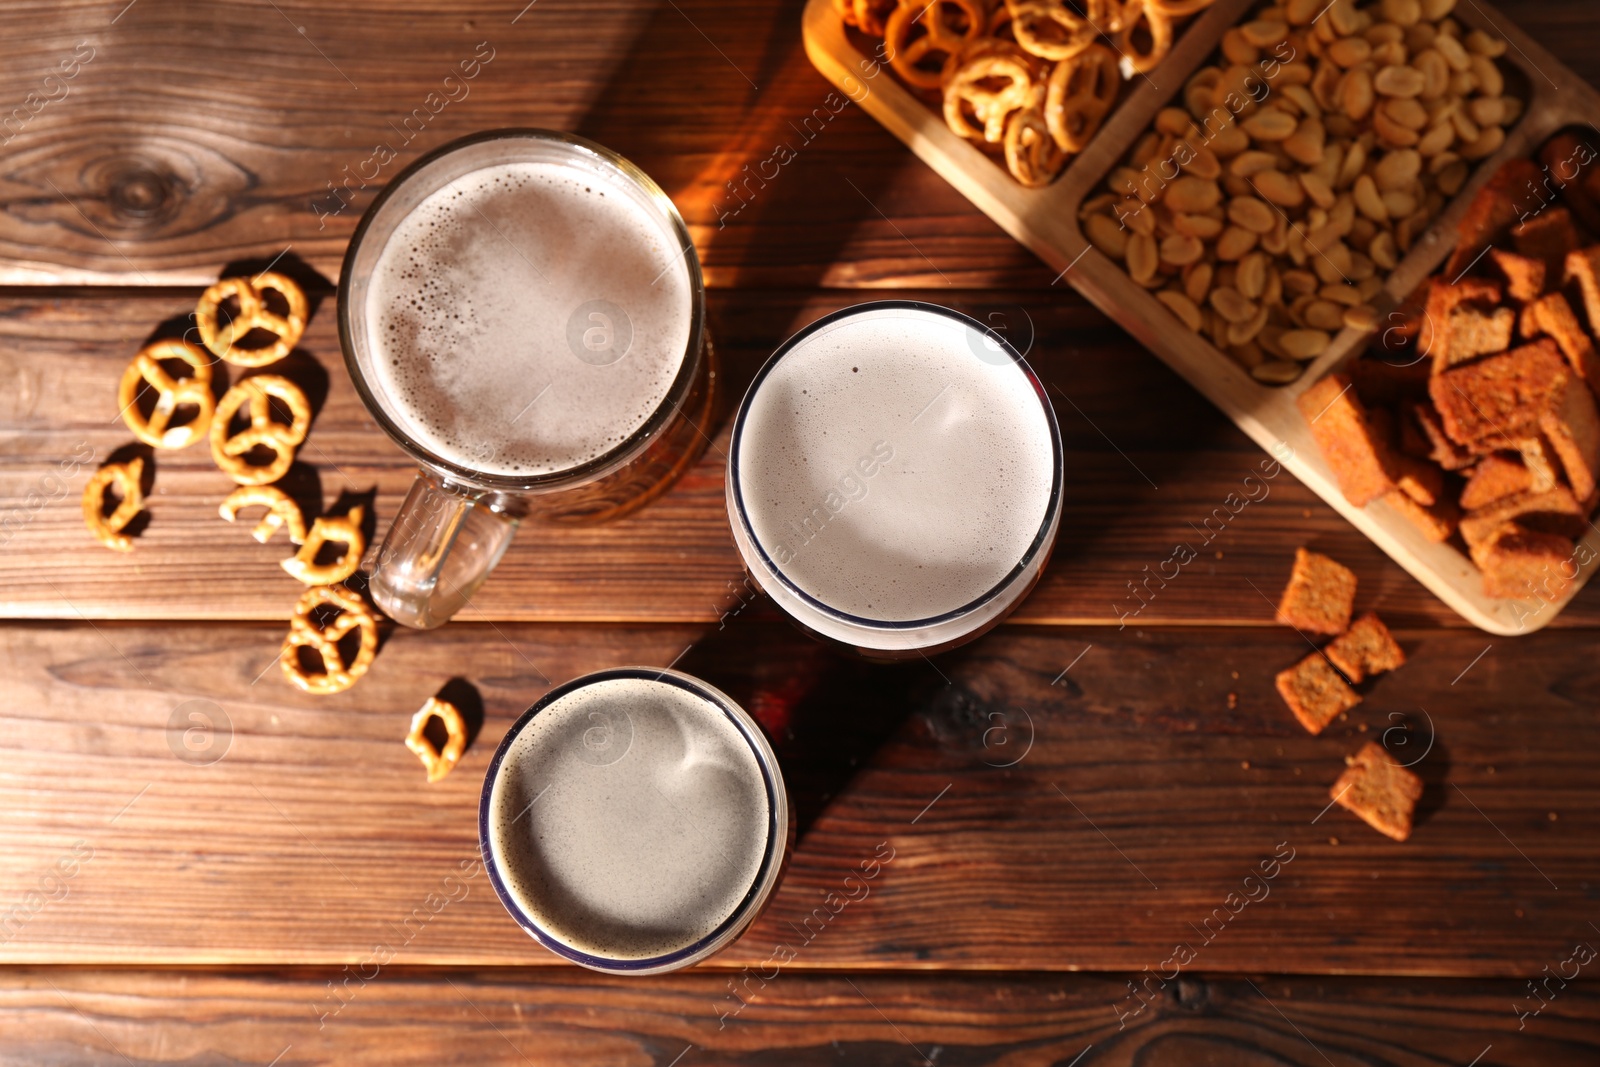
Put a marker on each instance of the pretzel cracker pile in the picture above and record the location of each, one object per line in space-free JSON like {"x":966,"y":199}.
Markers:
{"x":1028,"y":81}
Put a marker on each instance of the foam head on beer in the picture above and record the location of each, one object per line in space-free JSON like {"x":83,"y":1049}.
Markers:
{"x":893,"y":465}
{"x":528,"y":317}
{"x":630,"y":818}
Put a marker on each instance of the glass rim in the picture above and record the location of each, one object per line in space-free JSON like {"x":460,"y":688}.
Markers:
{"x":623,"y":451}
{"x":772,"y":860}
{"x":1041,"y":539}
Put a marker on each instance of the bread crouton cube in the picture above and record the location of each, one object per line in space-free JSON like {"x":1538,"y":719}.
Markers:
{"x":1436,"y":521}
{"x":1376,"y":789}
{"x":1320,"y":595}
{"x":1519,"y":563}
{"x":1500,"y":398}
{"x":1495,"y":478}
{"x":1315,"y":692}
{"x":1554,"y":511}
{"x":1505,"y":198}
{"x":1475,"y":333}
{"x":1367,"y":648}
{"x":1556,"y":318}
{"x":1583,"y":265}
{"x":1524,"y":275}
{"x":1549,"y":236}
{"x":1346,"y":438}
{"x":1573,"y":432}
{"x":1443,"y":451}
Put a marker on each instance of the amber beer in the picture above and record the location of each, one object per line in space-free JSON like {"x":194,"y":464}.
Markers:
{"x":523,"y":312}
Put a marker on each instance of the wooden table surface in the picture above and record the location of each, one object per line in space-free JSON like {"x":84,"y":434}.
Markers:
{"x":1065,"y":801}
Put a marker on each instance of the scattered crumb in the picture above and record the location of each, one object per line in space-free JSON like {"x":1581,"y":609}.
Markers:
{"x":1305,"y":513}
{"x":1362,"y":727}
{"x":1246,"y":765}
{"x":1518,"y":913}
{"x":1219,"y":553}
{"x":1297,"y":770}
{"x":1233,"y":701}
{"x":1552,"y":816}
{"x":1235,"y":675}
{"x":1333,"y":840}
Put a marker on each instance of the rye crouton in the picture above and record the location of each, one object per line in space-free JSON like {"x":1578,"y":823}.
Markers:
{"x":1376,"y":789}
{"x":1540,"y":459}
{"x":1549,"y":236}
{"x":1519,"y":563}
{"x":1584,"y":266}
{"x":1573,"y":431}
{"x":1315,"y":692}
{"x":1524,"y":275}
{"x":1495,"y":478}
{"x":1500,"y":398}
{"x":1436,"y":521}
{"x":1554,"y":316}
{"x":1554,"y":511}
{"x":1320,"y":595}
{"x":1367,"y":648}
{"x":1445,"y":452}
{"x":1508,"y":195}
{"x":1443,"y":300}
{"x":1346,"y":438}
{"x":1475,"y":333}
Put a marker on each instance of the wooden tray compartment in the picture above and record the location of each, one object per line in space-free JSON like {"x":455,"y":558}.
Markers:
{"x":1046,"y":222}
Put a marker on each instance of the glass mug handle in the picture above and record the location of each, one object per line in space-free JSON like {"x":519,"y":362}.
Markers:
{"x":445,"y":540}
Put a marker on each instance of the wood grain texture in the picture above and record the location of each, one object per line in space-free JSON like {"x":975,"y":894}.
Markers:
{"x":63,"y":1016}
{"x":203,"y":133}
{"x":674,"y":561}
{"x":1139,"y":796}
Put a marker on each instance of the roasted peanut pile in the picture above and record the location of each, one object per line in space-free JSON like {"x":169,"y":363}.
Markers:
{"x":1267,"y":212}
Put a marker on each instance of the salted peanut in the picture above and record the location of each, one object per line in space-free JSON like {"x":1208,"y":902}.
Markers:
{"x":1180,"y":305}
{"x":1339,"y":293}
{"x":1356,"y":94}
{"x":1235,"y":242}
{"x":1252,"y":162}
{"x":1488,"y":143}
{"x":1270,"y":124}
{"x":1197,"y":281}
{"x":1276,"y":372}
{"x":1254,"y":215}
{"x":1452,"y":178}
{"x":1203,"y":163}
{"x":1304,"y":344}
{"x":1355,"y":161}
{"x":1362,"y":317}
{"x":1490,"y":81}
{"x":1465,"y":127}
{"x":1480,"y":43}
{"x":1300,"y":12}
{"x":1397,"y":80}
{"x":1096,"y":205}
{"x":1487,"y":110}
{"x":1242,"y":333}
{"x":1322,"y":315}
{"x":1401,"y":12}
{"x":1231,"y":304}
{"x":1400,"y":204}
{"x":1302,"y":99}
{"x":1344,"y":19}
{"x":1250,"y":278}
{"x":1434,"y":10}
{"x":1143,"y":257}
{"x":1202,"y":226}
{"x":1317,"y":188}
{"x":1391,"y":53}
{"x":1272,"y":295}
{"x":1279,"y":188}
{"x":1454,"y":53}
{"x":1229,"y":141}
{"x":1382,"y":251}
{"x":1299,"y":281}
{"x":1145,"y":149}
{"x":1367,"y":199}
{"x":1174,"y":121}
{"x":1420,"y":36}
{"x":1306,"y":143}
{"x":1463,"y":82}
{"x":1137,"y":219}
{"x":1390,"y":133}
{"x":1106,"y":235}
{"x":1397,"y":170}
{"x":1238,"y":50}
{"x":1436,"y":140}
{"x":1265,"y":32}
{"x":1348,"y":51}
{"x":1193,"y":196}
{"x":1180,"y":251}
{"x":1407,"y":112}
{"x":1325,"y":86}
{"x":1435,"y":73}
{"x":1513,"y":109}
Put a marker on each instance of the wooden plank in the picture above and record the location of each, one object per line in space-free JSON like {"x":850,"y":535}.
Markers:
{"x":198,"y":134}
{"x":674,"y":561}
{"x":67,"y":1017}
{"x":1140,"y":800}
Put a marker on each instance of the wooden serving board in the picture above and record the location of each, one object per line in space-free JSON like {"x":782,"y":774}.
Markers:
{"x":1046,"y":221}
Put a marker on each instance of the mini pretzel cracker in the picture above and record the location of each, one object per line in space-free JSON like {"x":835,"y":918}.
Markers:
{"x":947,"y":25}
{"x":438,"y":763}
{"x":107,"y":528}
{"x":146,"y":368}
{"x":1052,"y":29}
{"x":1032,"y":155}
{"x":230,"y":452}
{"x":253,"y":314}
{"x":983,"y":89}
{"x":280,"y":511}
{"x":1080,"y":93}
{"x":303,"y":633}
{"x":343,"y":529}
{"x":1157,"y":23}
